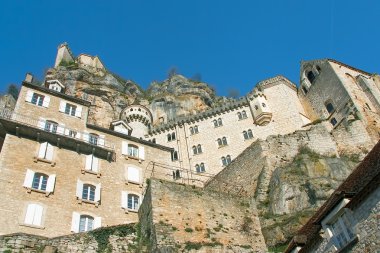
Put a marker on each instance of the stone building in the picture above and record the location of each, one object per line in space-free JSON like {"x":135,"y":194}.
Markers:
{"x":349,"y":220}
{"x":62,"y":172}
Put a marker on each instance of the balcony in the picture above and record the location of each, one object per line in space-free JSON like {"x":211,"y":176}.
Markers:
{"x":56,"y":134}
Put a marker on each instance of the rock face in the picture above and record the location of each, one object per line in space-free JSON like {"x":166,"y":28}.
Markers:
{"x":110,"y":94}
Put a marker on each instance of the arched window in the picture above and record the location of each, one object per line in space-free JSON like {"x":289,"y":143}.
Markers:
{"x":40,"y":181}
{"x":224,"y":161}
{"x":169,"y":136}
{"x":88,"y":192}
{"x":133,"y":202}
{"x":194,"y":150}
{"x":51,"y":126}
{"x":245,"y":134}
{"x":86,"y":223}
{"x":93,"y":139}
{"x":228,"y":158}
{"x":239,"y":115}
{"x":154,"y":140}
{"x":329,"y":107}
{"x":173,"y":136}
{"x":244,"y":114}
{"x":256,"y":107}
{"x":197,"y":168}
{"x":200,"y":168}
{"x":220,"y":123}
{"x":224,"y":141}
{"x":196,"y":130}
{"x":263,"y":104}
{"x":199,"y":148}
{"x":133,"y":150}
{"x":219,"y":142}
{"x":250,"y":134}
{"x":333,"y":121}
{"x":191,"y":130}
{"x":215,"y":123}
{"x":310,"y":76}
{"x":174,"y":155}
{"x":176,"y":174}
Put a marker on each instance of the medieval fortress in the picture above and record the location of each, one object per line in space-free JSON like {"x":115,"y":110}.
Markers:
{"x":67,"y":167}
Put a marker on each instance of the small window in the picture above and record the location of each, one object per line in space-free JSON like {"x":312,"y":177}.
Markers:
{"x":93,"y":139}
{"x":37,"y":99}
{"x":244,"y":114}
{"x":226,"y":160}
{"x":191,"y":130}
{"x":86,"y":223}
{"x":174,"y":155}
{"x":40,"y":181}
{"x":248,"y":134}
{"x":239,"y":116}
{"x":51,"y":126}
{"x":88,"y":192}
{"x":256,"y":107}
{"x":33,"y":215}
{"x":222,"y":142}
{"x":329,"y":107}
{"x":304,"y":90}
{"x":133,"y":175}
{"x":341,"y":230}
{"x":133,"y":150}
{"x":197,"y":149}
{"x":310,"y":76}
{"x":333,"y":121}
{"x":369,"y":108}
{"x":199,"y":168}
{"x":218,"y":122}
{"x":194,"y":130}
{"x":72,"y":133}
{"x":70,"y":109}
{"x":133,"y":202}
{"x":171,"y":136}
{"x":176,"y":174}
{"x":263,"y":104}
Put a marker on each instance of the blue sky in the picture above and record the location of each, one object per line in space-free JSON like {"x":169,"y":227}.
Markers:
{"x":231,"y":44}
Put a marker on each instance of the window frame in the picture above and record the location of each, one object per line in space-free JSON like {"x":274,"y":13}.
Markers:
{"x":37,"y":99}
{"x":41,"y":180}
{"x":70,"y":109}
{"x":86,"y":219}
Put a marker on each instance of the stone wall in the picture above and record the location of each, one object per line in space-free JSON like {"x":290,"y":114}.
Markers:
{"x":181,"y":218}
{"x":121,"y":238}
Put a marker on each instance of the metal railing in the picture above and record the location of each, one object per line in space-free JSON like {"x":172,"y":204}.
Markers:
{"x":55,"y":128}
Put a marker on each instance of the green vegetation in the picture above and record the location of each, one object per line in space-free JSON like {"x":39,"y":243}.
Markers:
{"x":278,"y":248}
{"x":189,"y":230}
{"x":246,"y":225}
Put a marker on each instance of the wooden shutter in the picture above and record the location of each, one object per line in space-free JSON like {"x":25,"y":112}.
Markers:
{"x":61,"y":129}
{"x":67,"y":131}
{"x":41,"y":123}
{"x":88,"y":162}
{"x":28,"y":178}
{"x":29,"y":96}
{"x":133,"y":174}
{"x":75,"y":222}
{"x":49,"y":152}
{"x":97,"y":222}
{"x":86,"y":136}
{"x":124,"y":199}
{"x":46,"y":101}
{"x":78,"y":111}
{"x":30,"y":214}
{"x":79,"y":189}
{"x":141,"y":153}
{"x":50,"y":183}
{"x":62,"y":106}
{"x":42,"y":151}
{"x":37,"y":219}
{"x":124,"y":148}
{"x":101,"y":140}
{"x":95,"y":164}
{"x":97,"y":192}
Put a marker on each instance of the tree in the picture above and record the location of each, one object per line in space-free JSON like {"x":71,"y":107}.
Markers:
{"x":13,"y":91}
{"x":172,"y":72}
{"x":233,"y":93}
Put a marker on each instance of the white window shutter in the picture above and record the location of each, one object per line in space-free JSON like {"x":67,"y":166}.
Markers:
{"x":37,"y":220}
{"x":29,"y":95}
{"x":78,"y":112}
{"x":41,"y":123}
{"x":30,"y":214}
{"x":78,"y":135}
{"x":86,"y":136}
{"x":50,"y":183}
{"x":75,"y":222}
{"x":133,"y":174}
{"x":79,"y":189}
{"x":124,"y":148}
{"x":97,"y":222}
{"x":95,"y":164}
{"x":28,"y":178}
{"x":41,"y":152}
{"x":49,"y":152}
{"x":141,"y":153}
{"x":67,"y":131}
{"x":61,"y":129}
{"x":88,"y":162}
{"x":101,"y":140}
{"x":97,"y":192}
{"x":46,"y":102}
{"x":124,"y":199}
{"x":62,"y":106}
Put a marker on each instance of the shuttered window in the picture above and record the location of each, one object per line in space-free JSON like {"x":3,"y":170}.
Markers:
{"x":33,"y":215}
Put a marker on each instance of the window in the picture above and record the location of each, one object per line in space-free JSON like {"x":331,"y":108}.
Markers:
{"x":51,"y":126}
{"x":93,"y":139}
{"x":33,"y":215}
{"x":248,"y":134}
{"x":37,"y":99}
{"x":304,"y":90}
{"x":88,"y":192}
{"x":40,"y":181}
{"x":239,"y":115}
{"x":218,"y":122}
{"x":174,"y":155}
{"x":92,"y":163}
{"x":133,"y":150}
{"x":242,"y":115}
{"x":333,"y":121}
{"x":72,"y":133}
{"x":222,"y":142}
{"x":226,"y":160}
{"x":176,"y":174}
{"x":46,"y":151}
{"x":329,"y":107}
{"x":194,"y":130}
{"x":197,"y":149}
{"x":70,"y":109}
{"x":341,"y":230}
{"x":200,"y":168}
{"x":263,"y":104}
{"x":133,"y":175}
{"x":86,"y":223}
{"x":133,"y":202}
{"x":310,"y":76}
{"x":171,"y":136}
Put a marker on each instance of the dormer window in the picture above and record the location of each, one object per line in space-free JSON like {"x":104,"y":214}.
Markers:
{"x":55,"y":85}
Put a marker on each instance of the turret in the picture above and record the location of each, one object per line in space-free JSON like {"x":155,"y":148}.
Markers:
{"x":261,"y":112}
{"x":139,"y":118}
